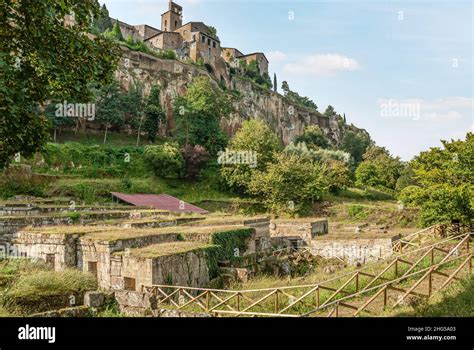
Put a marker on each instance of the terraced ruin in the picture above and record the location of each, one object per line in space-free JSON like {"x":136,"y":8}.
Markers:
{"x":159,"y":263}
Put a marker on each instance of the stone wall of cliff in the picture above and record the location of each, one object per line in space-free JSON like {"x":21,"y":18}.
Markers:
{"x":174,"y":77}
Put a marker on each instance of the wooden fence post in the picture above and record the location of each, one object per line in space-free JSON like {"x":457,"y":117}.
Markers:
{"x":430,"y":284}
{"x":276,"y":301}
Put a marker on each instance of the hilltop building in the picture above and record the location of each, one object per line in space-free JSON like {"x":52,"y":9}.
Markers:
{"x":194,"y":41}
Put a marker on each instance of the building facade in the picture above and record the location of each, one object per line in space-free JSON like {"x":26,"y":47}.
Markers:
{"x":194,"y":41}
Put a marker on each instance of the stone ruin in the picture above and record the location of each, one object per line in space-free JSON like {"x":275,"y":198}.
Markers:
{"x":127,"y":248}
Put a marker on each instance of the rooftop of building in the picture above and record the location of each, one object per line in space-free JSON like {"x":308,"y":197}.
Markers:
{"x":256,"y":53}
{"x":233,"y":48}
{"x":200,"y":27}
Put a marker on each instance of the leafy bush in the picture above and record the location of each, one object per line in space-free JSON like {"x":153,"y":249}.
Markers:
{"x":313,"y":136}
{"x":289,"y":185}
{"x":20,"y":180}
{"x":441,"y":203}
{"x":254,"y":136}
{"x":338,"y":175}
{"x":335,"y":164}
{"x":294,"y":97}
{"x":406,"y":178}
{"x":167,"y":55}
{"x":228,"y":241}
{"x":318,"y":154}
{"x":411,"y":196}
{"x":445,"y":180}
{"x":198,"y":116}
{"x":379,"y":168}
{"x":355,"y":143}
{"x":93,"y":161}
{"x":357,"y":211}
{"x":195,"y":157}
{"x":165,"y":160}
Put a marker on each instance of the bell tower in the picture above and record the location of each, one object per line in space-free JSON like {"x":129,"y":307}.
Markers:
{"x":173,"y":18}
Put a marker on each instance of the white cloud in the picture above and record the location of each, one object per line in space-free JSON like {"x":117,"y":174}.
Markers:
{"x":276,"y":56}
{"x":322,"y":65}
{"x":446,"y":109}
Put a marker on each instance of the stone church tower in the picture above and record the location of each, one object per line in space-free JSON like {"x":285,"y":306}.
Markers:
{"x":173,"y":18}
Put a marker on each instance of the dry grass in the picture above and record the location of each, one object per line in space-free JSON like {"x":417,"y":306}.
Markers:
{"x":62,"y":214}
{"x":166,"y":249}
{"x":112,"y":234}
{"x":299,"y":220}
{"x":127,"y":221}
{"x":355,"y":236}
{"x":225,"y":220}
{"x":63,"y":230}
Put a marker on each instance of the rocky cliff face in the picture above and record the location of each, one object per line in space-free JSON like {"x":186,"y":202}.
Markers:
{"x":287,"y":119}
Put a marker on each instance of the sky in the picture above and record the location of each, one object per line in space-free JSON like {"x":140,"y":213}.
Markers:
{"x":402,"y":70}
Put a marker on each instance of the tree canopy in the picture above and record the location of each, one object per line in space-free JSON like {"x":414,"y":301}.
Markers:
{"x":42,"y":58}
{"x":254,"y":136}
{"x":313,"y":136}
{"x":445,"y":183}
{"x":356,"y":144}
{"x":154,"y":114}
{"x":198,"y":115}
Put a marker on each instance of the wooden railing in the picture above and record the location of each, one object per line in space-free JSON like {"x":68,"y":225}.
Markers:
{"x":431,"y":233}
{"x":371,"y":281}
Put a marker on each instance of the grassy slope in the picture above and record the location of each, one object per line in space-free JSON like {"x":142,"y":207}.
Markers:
{"x":97,"y":138}
{"x":25,"y":285}
{"x":456,"y":301}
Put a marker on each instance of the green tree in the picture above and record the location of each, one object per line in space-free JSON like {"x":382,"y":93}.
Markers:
{"x":313,"y":136}
{"x":114,"y":33}
{"x":318,"y":154}
{"x":109,"y":107}
{"x":254,"y":136}
{"x":406,"y":177}
{"x":290,"y":185}
{"x":213,"y":31}
{"x":330,"y":112}
{"x":379,"y":168}
{"x":102,"y":22}
{"x":445,"y":178}
{"x":338,"y":175}
{"x":296,"y":98}
{"x":43,"y":59}
{"x":57,"y":121}
{"x":165,"y":160}
{"x":367,"y":175}
{"x":198,"y":115}
{"x":285,"y":87}
{"x":133,"y":107}
{"x":356,"y":144}
{"x":154,"y":114}
{"x":275,"y":83}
